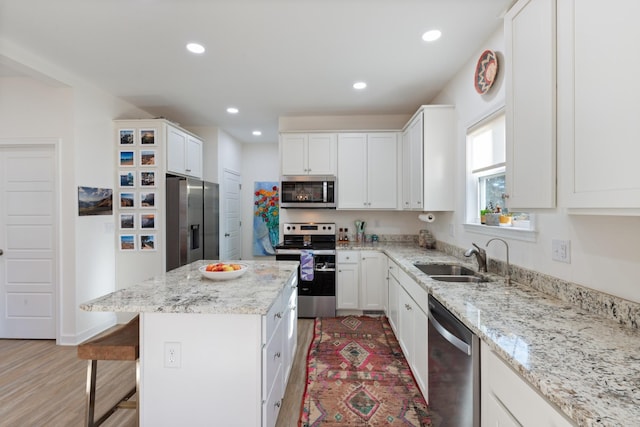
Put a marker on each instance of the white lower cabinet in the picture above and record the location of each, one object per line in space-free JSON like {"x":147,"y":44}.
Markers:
{"x":361,"y":280}
{"x":348,"y":280}
{"x":507,"y":400}
{"x":373,"y":282}
{"x":408,"y":308}
{"x":394,"y":292}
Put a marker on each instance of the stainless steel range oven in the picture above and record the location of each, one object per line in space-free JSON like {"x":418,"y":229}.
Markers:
{"x":314,"y":245}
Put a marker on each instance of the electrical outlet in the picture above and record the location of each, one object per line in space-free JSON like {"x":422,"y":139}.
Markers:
{"x":172,"y":355}
{"x":561,"y":250}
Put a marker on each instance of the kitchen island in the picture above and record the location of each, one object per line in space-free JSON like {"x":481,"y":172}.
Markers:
{"x":212,"y":352}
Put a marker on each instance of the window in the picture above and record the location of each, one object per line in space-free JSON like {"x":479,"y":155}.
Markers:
{"x":486,"y":172}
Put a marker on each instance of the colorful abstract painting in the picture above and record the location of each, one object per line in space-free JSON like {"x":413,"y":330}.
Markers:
{"x":266,"y":218}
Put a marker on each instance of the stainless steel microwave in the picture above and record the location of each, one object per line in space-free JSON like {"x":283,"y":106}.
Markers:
{"x":308,"y":191}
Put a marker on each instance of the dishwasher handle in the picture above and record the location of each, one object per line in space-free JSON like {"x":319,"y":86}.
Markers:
{"x":455,"y":341}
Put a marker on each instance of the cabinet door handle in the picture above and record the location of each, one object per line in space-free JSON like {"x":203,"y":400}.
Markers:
{"x":278,"y":315}
{"x":407,"y":306}
{"x":1,"y":251}
{"x":277,"y":355}
{"x":277,"y":404}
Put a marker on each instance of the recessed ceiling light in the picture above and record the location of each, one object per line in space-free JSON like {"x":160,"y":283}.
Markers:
{"x":359,"y":85}
{"x":195,"y":48}
{"x":232,"y":110}
{"x":257,"y":133}
{"x":431,"y":35}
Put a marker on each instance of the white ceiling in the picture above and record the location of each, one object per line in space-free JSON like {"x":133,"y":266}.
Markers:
{"x":269,"y":58}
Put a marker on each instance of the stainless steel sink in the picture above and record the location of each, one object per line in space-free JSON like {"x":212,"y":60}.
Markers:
{"x":460,"y":279}
{"x":445,"y":270}
{"x":450,"y":273}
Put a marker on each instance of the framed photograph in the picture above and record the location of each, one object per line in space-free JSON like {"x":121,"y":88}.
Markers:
{"x":147,"y":242}
{"x":127,"y":158}
{"x":127,"y":242}
{"x":148,"y":199}
{"x":127,"y":200}
{"x":147,"y":179}
{"x":95,"y":201}
{"x":127,"y":179}
{"x":147,"y":137}
{"x":127,"y":221}
{"x":147,"y":158}
{"x":127,"y":137}
{"x":147,"y":221}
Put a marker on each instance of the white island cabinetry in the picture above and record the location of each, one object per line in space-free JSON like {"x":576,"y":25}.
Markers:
{"x":232,"y":341}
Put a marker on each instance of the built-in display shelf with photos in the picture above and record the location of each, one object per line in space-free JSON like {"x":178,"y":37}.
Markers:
{"x":139,"y":171}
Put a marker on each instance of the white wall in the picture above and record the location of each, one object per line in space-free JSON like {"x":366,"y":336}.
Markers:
{"x":60,"y":105}
{"x":261,"y":163}
{"x":604,"y":254}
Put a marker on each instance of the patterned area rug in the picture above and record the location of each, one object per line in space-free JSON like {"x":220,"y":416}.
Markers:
{"x":357,"y":376}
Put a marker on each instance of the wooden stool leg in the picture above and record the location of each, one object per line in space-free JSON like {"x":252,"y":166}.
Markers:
{"x":92,"y":368}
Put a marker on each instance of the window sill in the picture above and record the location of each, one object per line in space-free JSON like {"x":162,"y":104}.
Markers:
{"x":508,"y":232}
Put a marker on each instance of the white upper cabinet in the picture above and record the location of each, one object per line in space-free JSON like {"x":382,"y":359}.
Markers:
{"x":308,"y":154}
{"x":439,"y":150}
{"x":367,"y":170}
{"x":598,"y":112}
{"x":184,"y":153}
{"x":412,"y":177}
{"x":530,"y":76}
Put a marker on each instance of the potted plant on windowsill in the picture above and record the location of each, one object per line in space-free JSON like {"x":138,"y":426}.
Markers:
{"x":483,"y":214}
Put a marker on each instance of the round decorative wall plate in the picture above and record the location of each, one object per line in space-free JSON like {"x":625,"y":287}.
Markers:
{"x":486,"y":71}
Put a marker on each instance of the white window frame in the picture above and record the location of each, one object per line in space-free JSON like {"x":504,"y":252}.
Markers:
{"x":472,"y":216}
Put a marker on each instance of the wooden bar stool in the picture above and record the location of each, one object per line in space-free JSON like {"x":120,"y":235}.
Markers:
{"x":120,"y":343}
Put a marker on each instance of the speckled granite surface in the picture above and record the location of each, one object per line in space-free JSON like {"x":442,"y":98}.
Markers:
{"x":585,"y":363}
{"x":184,"y":290}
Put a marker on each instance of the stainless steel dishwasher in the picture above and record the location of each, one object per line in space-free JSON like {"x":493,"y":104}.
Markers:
{"x":454,"y":370}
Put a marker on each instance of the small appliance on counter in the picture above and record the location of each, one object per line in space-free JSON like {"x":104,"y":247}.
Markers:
{"x":360,"y":226}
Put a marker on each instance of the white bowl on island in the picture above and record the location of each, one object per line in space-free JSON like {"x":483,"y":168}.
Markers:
{"x":223,"y":275}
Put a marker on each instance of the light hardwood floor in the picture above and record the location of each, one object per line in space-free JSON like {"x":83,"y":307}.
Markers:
{"x":42,"y":384}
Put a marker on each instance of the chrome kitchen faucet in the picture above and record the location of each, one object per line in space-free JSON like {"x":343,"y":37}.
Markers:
{"x":507,"y":278}
{"x":481,"y":257}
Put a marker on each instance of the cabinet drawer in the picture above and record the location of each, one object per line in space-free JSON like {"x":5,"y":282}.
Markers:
{"x":272,"y":403}
{"x":348,"y":257}
{"x":394,"y":269}
{"x":273,"y":318}
{"x":415,"y":291}
{"x":272,"y":356}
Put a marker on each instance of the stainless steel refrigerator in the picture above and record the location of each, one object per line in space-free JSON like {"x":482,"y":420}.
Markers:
{"x":191,"y":222}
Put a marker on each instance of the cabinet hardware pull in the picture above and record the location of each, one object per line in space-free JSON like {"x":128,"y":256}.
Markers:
{"x":407,"y":306}
{"x":278,"y":315}
{"x":277,"y":355}
{"x":1,"y":252}
{"x":277,"y":404}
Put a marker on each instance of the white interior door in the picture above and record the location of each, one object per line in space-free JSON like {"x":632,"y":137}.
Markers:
{"x":231,"y":234}
{"x":28,"y":241}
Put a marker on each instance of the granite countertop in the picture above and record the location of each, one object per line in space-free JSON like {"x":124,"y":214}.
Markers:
{"x":184,"y":290}
{"x":588,"y":365}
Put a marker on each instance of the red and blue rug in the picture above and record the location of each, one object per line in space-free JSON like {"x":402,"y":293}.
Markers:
{"x":358,"y":376}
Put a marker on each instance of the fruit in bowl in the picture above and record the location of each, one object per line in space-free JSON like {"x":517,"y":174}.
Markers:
{"x":222,"y":271}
